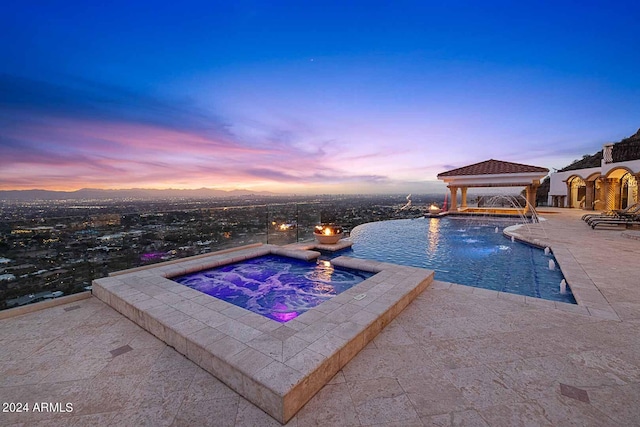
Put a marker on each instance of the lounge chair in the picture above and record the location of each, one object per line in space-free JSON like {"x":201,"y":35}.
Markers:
{"x":628,"y":220}
{"x":616,"y":214}
{"x":612,"y":213}
{"x":618,"y":218}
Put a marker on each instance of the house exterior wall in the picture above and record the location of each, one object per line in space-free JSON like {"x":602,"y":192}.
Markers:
{"x":558,"y":184}
{"x":633,"y":166}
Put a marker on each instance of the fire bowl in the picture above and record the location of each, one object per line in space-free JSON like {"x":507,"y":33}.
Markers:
{"x":328,"y":234}
{"x":434,"y":210}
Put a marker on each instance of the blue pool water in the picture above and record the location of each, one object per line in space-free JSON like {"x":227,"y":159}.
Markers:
{"x":465,"y":251}
{"x":277,"y":287}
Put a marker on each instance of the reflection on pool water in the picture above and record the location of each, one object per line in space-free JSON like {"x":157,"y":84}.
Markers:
{"x":277,"y":287}
{"x":467,"y":251}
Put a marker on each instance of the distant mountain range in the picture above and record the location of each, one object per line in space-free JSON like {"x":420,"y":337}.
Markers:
{"x":132,"y":193}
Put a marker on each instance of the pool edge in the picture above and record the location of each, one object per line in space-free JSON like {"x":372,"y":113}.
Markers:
{"x":589,"y":299}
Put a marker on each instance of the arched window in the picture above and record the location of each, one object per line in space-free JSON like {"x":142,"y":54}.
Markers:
{"x":578,"y":192}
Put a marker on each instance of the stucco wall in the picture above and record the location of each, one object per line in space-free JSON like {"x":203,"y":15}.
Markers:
{"x":558,"y":185}
{"x":633,"y":166}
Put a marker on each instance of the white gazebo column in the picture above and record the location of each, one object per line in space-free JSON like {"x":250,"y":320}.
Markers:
{"x":453,"y":206}
{"x":531,"y":192}
{"x":463,"y":192}
{"x":527,"y":199}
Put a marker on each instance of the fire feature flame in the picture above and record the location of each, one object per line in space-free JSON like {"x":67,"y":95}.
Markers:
{"x":327,"y":230}
{"x":328,"y":234}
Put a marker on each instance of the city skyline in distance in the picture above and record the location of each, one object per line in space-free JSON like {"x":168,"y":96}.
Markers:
{"x":168,"y":193}
{"x":307,"y":99}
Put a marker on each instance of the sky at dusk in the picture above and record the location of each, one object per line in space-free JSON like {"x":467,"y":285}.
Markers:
{"x":307,"y":97}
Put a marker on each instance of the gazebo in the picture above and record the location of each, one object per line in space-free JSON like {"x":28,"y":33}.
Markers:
{"x":493,"y":173}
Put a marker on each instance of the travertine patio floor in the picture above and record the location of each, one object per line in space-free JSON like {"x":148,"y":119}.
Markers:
{"x":456,"y":356}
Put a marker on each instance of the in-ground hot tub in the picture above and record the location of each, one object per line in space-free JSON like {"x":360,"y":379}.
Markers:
{"x":280,"y":288}
{"x":277,"y":366}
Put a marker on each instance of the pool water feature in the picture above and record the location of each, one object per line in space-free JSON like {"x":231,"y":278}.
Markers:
{"x":274,"y":286}
{"x":466,"y":251}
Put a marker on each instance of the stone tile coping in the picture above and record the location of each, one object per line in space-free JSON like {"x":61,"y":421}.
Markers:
{"x":340,"y":245}
{"x":30,"y":308}
{"x":589,"y":298}
{"x":277,"y":366}
{"x":525,"y":300}
{"x":175,"y":261}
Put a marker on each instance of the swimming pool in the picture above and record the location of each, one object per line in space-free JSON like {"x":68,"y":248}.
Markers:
{"x":277,"y":287}
{"x":467,"y":251}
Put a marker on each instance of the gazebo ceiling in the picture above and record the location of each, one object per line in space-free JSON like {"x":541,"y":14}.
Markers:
{"x":494,"y":173}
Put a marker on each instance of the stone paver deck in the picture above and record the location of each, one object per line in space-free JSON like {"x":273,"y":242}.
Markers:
{"x":457,"y":355}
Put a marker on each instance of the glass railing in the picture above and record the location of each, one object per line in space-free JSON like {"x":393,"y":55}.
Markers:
{"x":43,"y":257}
